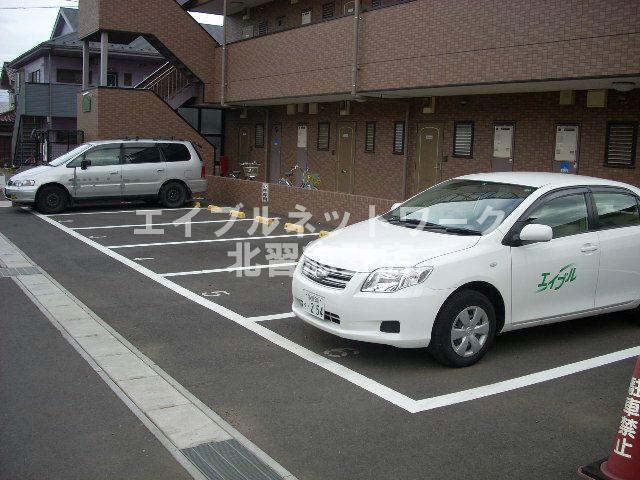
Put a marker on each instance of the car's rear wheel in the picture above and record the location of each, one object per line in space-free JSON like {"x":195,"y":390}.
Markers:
{"x":52,"y":199}
{"x":464,"y":329}
{"x":173,"y":195}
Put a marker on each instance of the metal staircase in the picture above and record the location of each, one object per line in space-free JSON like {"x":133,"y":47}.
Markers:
{"x":173,"y":84}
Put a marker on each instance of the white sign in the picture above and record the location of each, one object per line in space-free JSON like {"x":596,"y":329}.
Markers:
{"x":265,"y":193}
{"x":502,"y":141}
{"x":567,"y":143}
{"x":302,"y":136}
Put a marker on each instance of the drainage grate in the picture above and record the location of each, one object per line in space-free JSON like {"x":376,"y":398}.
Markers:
{"x":229,"y":460}
{"x":14,"y":272}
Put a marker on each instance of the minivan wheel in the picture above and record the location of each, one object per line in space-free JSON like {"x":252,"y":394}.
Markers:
{"x":52,"y":199}
{"x":464,"y":329}
{"x":173,"y":195}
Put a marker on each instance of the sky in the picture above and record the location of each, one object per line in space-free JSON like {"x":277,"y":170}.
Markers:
{"x":26,"y":23}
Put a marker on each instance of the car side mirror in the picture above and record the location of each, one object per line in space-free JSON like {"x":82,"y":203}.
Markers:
{"x":536,"y":233}
{"x":84,"y":164}
{"x":395,"y":205}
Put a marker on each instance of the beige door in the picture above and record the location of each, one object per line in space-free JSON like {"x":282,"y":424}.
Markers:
{"x":429,"y":153}
{"x":244,"y":143}
{"x":346,"y":155}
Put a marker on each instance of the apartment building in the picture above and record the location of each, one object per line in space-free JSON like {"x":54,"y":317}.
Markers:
{"x":383,"y":98}
{"x":43,"y":83}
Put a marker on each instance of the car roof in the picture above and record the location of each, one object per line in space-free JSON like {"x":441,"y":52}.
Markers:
{"x":542,"y":179}
{"x":141,"y":140}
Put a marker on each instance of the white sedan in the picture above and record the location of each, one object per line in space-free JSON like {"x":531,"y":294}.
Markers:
{"x":473,"y":256}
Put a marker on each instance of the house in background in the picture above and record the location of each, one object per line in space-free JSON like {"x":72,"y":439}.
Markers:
{"x":43,"y":83}
{"x":6,"y":128}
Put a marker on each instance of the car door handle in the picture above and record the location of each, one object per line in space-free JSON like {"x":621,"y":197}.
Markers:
{"x":160,"y":170}
{"x":113,"y":173}
{"x":589,"y":248}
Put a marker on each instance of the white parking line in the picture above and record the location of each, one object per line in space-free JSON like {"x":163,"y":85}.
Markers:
{"x":125,"y":211}
{"x":213,"y":240}
{"x":277,"y":316}
{"x":161,"y":224}
{"x":376,"y":388}
{"x":230,"y":269}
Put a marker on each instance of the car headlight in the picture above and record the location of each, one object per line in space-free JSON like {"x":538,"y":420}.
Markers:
{"x":24,"y":183}
{"x":387,"y":280}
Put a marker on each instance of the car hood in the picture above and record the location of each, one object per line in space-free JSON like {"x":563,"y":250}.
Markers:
{"x":31,"y":173}
{"x":375,"y":243}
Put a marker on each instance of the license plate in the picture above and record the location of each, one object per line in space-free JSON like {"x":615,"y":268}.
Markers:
{"x":313,"y":304}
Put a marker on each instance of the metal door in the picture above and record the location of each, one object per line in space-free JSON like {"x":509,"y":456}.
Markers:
{"x":244,"y":144}
{"x":503,"y":140}
{"x":275,"y":154}
{"x":428,"y":162}
{"x":346,"y":156}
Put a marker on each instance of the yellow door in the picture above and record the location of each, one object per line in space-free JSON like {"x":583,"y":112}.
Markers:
{"x":428,"y":161}
{"x":346,"y":155}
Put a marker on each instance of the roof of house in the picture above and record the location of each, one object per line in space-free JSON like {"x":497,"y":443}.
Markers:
{"x":8,"y":116}
{"x":68,"y":16}
{"x":7,"y":76}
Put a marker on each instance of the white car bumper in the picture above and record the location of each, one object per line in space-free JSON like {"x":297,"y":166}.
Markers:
{"x":26,"y":195}
{"x":361,"y":314}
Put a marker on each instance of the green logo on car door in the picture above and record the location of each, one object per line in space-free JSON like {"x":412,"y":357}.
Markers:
{"x":567,"y":274}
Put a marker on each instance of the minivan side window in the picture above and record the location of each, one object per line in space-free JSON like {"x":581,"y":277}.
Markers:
{"x":101,"y":156}
{"x":175,"y":152}
{"x":565,"y":215}
{"x":136,"y":153}
{"x":616,"y":210}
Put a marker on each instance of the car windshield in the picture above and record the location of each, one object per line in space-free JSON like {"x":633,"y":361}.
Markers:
{"x":463,"y":207}
{"x":62,"y":159}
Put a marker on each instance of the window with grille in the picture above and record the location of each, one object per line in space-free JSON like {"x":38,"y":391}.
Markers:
{"x":398,"y":138}
{"x":259,"y":135}
{"x":263,"y":28}
{"x":323,"y":135}
{"x":370,"y":137}
{"x":328,"y":10}
{"x":621,"y":143}
{"x":463,"y":139}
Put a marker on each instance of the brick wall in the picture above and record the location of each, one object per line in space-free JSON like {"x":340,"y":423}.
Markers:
{"x":380,"y":173}
{"x":163,"y":20}
{"x":122,"y":112}
{"x":283,"y":200}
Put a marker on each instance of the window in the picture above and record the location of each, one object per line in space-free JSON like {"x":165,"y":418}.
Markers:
{"x":135,"y":153}
{"x":35,"y":76}
{"x":370,"y":137}
{"x":565,"y":215}
{"x":306,"y":17}
{"x":281,"y":23}
{"x":463,"y":139}
{"x":323,"y":135}
{"x":616,"y":210}
{"x":102,"y":156}
{"x":69,"y":76}
{"x":620,"y":150}
{"x":328,"y":10}
{"x":112,"y":79}
{"x":262,"y":27}
{"x":259,"y":135}
{"x":128,"y":80}
{"x":398,"y":138}
{"x":175,"y":152}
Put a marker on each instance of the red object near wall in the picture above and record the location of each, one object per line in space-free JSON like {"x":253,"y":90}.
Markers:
{"x":224,"y":165}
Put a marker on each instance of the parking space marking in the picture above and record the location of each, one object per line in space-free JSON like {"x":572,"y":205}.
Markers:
{"x":124,"y":211}
{"x":156,"y":224}
{"x":372,"y":386}
{"x":277,"y":316}
{"x":211,"y":240}
{"x":230,"y":269}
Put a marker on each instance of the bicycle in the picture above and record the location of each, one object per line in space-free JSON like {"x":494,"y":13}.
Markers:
{"x":310,"y":181}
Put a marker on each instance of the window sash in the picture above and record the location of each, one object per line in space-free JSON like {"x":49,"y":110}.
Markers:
{"x":463,"y":139}
{"x":259,"y":135}
{"x":324,"y":135}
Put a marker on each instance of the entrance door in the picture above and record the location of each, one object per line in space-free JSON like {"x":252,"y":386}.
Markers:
{"x":502,"y":158}
{"x":428,"y":162}
{"x":346,"y":156}
{"x":244,"y":143}
{"x":275,"y":153}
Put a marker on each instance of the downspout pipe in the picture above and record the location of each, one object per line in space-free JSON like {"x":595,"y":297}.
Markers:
{"x":223,"y":69}
{"x":406,"y":151}
{"x":356,"y":47}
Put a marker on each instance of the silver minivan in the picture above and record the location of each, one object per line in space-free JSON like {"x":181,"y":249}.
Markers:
{"x":168,"y":171}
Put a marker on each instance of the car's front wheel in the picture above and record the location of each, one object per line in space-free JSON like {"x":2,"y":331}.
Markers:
{"x":173,"y":195}
{"x":464,"y":329}
{"x":52,"y":199}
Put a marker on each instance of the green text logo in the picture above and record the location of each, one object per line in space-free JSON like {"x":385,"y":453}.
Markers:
{"x":567,"y":274}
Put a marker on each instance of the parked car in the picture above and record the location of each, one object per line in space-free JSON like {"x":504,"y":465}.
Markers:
{"x":168,"y":171}
{"x":473,"y":256}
